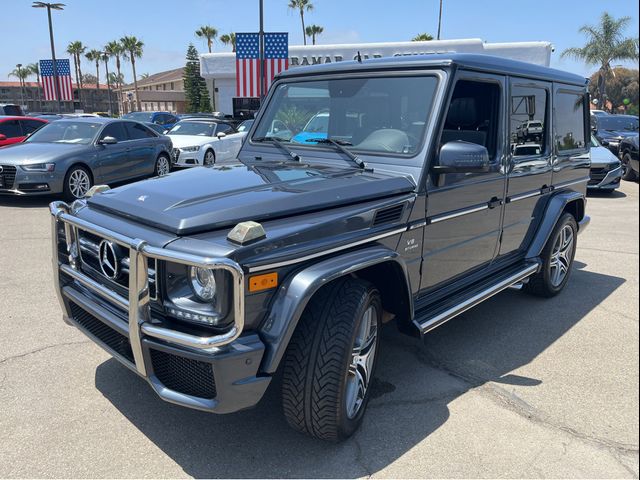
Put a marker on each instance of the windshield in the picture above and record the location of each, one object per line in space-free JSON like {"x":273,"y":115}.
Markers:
{"x":66,"y":132}
{"x":615,"y":122}
{"x":139,"y":116}
{"x":382,"y":114}
{"x":193,"y":128}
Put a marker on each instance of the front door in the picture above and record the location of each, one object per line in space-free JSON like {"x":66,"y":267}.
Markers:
{"x":113,"y":160}
{"x":464,"y":210}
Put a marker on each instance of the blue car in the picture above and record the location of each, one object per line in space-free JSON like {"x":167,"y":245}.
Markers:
{"x":165,"y":119}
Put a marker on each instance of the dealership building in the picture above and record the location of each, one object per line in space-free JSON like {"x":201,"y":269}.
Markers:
{"x":219,"y":69}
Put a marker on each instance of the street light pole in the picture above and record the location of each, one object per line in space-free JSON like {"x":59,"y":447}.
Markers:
{"x":56,"y":84}
{"x":261,"y":54}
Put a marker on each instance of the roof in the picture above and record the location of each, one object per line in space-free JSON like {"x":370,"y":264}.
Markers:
{"x":488,"y":63}
{"x":101,"y":120}
{"x":161,"y":77}
{"x":17,"y":117}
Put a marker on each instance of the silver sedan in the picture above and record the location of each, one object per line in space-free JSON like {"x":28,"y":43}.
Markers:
{"x":71,"y":155}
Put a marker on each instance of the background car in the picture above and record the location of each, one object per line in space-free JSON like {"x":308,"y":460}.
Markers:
{"x":246,"y":125}
{"x":611,"y":129}
{"x":70,"y":155}
{"x":204,"y":141}
{"x":166,"y":119}
{"x":628,"y":151}
{"x":161,"y":129}
{"x":606,"y":170}
{"x":599,"y":112}
{"x":15,"y":129}
{"x":11,"y":109}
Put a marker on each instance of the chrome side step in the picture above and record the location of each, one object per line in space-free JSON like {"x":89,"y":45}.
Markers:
{"x":442,"y":313}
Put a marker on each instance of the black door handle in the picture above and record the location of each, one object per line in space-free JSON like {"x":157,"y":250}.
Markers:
{"x":494,"y":202}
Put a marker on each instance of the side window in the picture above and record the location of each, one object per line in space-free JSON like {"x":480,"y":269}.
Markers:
{"x":30,"y":126}
{"x":224,"y":128}
{"x":569,"y":121}
{"x":115,"y":130}
{"x":138,"y":131}
{"x":10,"y":129}
{"x":473,"y":115}
{"x":528,"y":121}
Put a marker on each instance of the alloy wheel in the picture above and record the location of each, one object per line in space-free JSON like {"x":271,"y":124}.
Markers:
{"x":79,"y":183}
{"x":561,"y":256}
{"x":209,"y":158}
{"x":362,"y":360}
{"x":162,"y":166}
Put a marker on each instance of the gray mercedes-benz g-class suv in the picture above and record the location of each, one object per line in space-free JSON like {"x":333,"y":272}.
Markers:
{"x":407,"y":202}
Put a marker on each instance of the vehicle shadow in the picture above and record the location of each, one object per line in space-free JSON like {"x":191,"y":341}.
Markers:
{"x":16,"y":201}
{"x":615,"y":194}
{"x":415,"y":382}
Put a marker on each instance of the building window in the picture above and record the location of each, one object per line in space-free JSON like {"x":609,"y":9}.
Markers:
{"x":172,"y":86}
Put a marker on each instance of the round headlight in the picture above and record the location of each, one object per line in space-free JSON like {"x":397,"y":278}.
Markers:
{"x":202,"y":283}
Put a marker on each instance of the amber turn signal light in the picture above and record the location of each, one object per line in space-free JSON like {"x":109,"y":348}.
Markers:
{"x":265,"y":281}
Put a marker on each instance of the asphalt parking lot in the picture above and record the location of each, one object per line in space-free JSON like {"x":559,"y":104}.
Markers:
{"x":517,"y":387}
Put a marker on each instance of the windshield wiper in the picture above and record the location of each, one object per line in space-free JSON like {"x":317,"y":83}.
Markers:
{"x":340,"y":145}
{"x":278,"y":141}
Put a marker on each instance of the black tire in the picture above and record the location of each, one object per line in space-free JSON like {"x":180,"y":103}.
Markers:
{"x":629,"y":175}
{"x":205,"y":162}
{"x":71,"y":190}
{"x":316,"y":379}
{"x":160,"y":167}
{"x":544,"y":283}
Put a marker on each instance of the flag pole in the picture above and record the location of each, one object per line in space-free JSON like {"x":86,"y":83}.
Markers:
{"x":261,"y":47}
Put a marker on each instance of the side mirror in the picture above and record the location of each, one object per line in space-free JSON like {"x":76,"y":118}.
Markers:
{"x":221,"y":135}
{"x":462,"y":157}
{"x":2,"y":137}
{"x":108,"y":141}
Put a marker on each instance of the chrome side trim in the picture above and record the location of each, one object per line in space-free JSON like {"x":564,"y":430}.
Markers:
{"x":293,"y":261}
{"x":418,"y":224}
{"x":456,"y":310}
{"x":570,"y":183}
{"x":460,"y":213}
{"x":523,"y":196}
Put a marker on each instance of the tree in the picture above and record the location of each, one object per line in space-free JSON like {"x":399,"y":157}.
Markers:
{"x":133,"y":49}
{"x":34,"y":69}
{"x":195,"y":88}
{"x":76,"y":49}
{"x":21,"y":74}
{"x":422,"y":37}
{"x":605,"y":44}
{"x":115,"y":50}
{"x":622,"y":85}
{"x":209,"y":33}
{"x":302,"y":6}
{"x":229,"y":39}
{"x":88,"y":79}
{"x":313,"y":31}
{"x":95,"y":56}
{"x":116,"y":78}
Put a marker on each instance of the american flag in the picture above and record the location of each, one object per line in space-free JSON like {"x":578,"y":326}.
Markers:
{"x":64,"y":79}
{"x":276,"y":59}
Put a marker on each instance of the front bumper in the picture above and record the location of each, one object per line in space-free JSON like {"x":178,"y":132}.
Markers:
{"x":180,"y":158}
{"x":14,"y":180}
{"x":217,"y":373}
{"x":610,"y":180}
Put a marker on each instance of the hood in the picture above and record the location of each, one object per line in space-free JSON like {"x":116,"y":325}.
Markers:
{"x":203,"y":199}
{"x":602,"y":156}
{"x":25,"y":153}
{"x":180,"y":141}
{"x":618,"y":134}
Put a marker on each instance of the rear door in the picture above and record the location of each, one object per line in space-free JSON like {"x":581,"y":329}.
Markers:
{"x":142,"y":149}
{"x":528,"y":161}
{"x":464,"y":210}
{"x":113,"y":160}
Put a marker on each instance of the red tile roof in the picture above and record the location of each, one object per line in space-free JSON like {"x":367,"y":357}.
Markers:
{"x":103,"y":86}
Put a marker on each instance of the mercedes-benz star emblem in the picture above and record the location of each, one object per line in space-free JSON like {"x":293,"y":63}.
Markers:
{"x":109,"y":263}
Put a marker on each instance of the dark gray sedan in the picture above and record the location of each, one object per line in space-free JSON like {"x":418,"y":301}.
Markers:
{"x":71,"y":155}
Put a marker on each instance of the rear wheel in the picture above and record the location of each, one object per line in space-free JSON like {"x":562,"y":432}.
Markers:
{"x":77,"y":182}
{"x":331,"y":360}
{"x":163,"y":165}
{"x":557,"y":259}
{"x":627,"y":172}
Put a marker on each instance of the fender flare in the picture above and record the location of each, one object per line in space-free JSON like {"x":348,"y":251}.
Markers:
{"x":294,"y":295}
{"x":556,"y":206}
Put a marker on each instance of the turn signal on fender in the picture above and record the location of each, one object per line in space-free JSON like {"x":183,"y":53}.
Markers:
{"x":265,"y":281}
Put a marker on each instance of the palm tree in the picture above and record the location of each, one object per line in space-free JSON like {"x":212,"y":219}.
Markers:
{"x":301,"y":6}
{"x":313,"y":31}
{"x":209,"y":33}
{"x":34,"y":69}
{"x":114,"y":49}
{"x":76,"y":49}
{"x":95,"y":56}
{"x":422,"y":37}
{"x":605,"y":44}
{"x":229,"y":39}
{"x":116,"y":78}
{"x":133,"y":49}
{"x":21,"y":74}
{"x":144,"y":75}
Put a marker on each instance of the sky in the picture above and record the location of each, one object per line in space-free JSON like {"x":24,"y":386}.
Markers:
{"x":167,"y":26}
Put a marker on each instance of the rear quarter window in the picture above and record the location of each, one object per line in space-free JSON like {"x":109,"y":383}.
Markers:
{"x":569,"y":124}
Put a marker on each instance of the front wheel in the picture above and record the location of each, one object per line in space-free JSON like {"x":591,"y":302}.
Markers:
{"x":331,"y":360}
{"x":628,"y":173}
{"x":77,"y":183}
{"x":209,"y":158}
{"x":163,"y":165}
{"x":557,"y":259}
